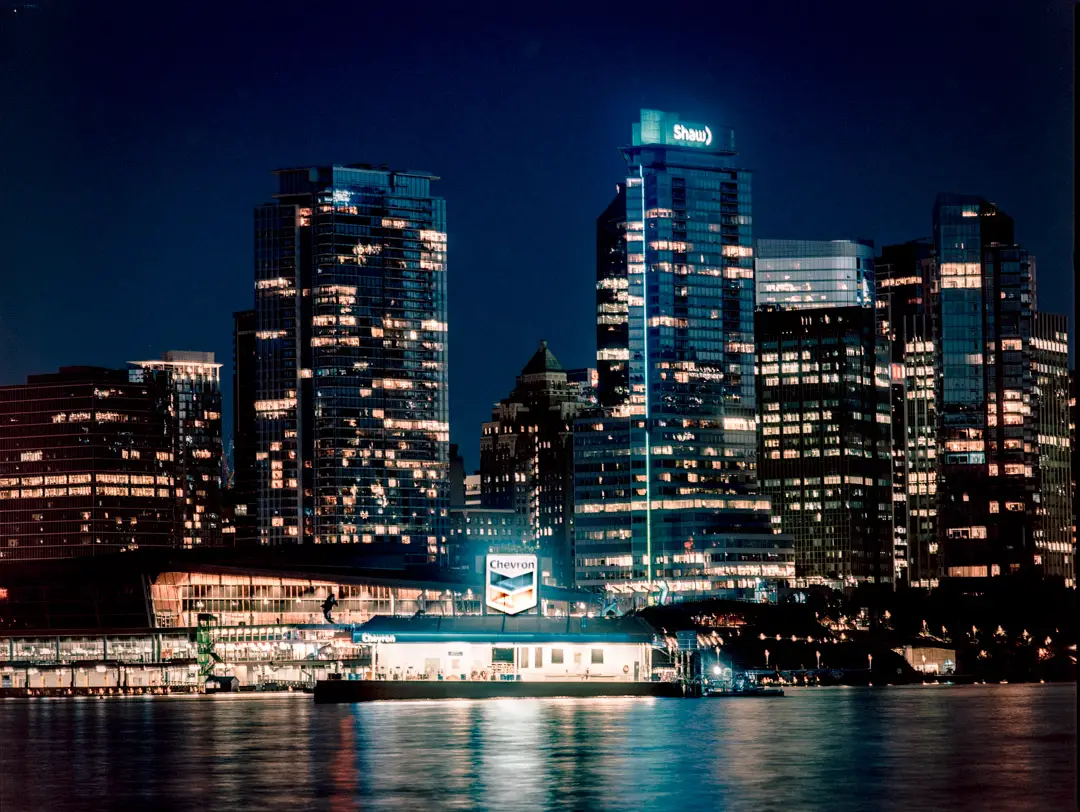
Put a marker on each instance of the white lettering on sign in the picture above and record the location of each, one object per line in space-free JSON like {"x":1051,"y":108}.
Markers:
{"x":703,"y":136}
{"x":366,"y":637}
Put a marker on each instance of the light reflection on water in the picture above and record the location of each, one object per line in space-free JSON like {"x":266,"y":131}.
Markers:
{"x":978,"y":747}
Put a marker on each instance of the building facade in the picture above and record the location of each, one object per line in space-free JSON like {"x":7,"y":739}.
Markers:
{"x":86,"y":465}
{"x":527,"y":459}
{"x":1054,"y":552}
{"x":665,"y":471}
{"x":243,"y":489}
{"x":193,"y":383}
{"x":987,"y":430}
{"x":351,"y":360}
{"x":825,"y":448}
{"x":906,"y":284}
{"x":807,"y":274}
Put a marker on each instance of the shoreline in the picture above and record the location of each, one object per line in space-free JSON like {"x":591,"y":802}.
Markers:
{"x":20,"y":694}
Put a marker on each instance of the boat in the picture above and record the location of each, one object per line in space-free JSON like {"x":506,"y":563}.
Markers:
{"x":739,"y":684}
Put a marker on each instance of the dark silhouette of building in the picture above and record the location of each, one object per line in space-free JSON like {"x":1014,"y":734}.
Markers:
{"x":243,"y":490}
{"x":527,"y":460}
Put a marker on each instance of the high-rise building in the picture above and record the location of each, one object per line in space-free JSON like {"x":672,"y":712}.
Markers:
{"x":527,"y":459}
{"x":814,"y":273}
{"x":825,"y":441}
{"x":906,"y":281}
{"x":987,"y":423}
{"x":1072,"y":473}
{"x":193,"y":383}
{"x":351,"y":360}
{"x":665,"y":484}
{"x":86,"y":465}
{"x":243,"y":490}
{"x":583,"y":382}
{"x":1054,"y":553}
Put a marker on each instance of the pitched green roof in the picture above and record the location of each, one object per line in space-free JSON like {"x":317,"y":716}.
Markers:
{"x":543,"y":360}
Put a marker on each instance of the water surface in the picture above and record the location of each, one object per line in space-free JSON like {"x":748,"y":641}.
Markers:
{"x":1008,"y":747}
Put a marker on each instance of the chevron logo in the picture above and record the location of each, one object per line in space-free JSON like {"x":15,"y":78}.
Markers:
{"x":511,"y":583}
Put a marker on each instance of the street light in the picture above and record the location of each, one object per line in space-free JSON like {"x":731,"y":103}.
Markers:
{"x":766,"y":658}
{"x":870,"y":661}
{"x":818,"y":653}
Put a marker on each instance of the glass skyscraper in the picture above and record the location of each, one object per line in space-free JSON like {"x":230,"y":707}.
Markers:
{"x":987,"y":430}
{"x":906,"y":281}
{"x":193,"y":383}
{"x":815,"y":273}
{"x":665,"y":481}
{"x":351,"y":360}
{"x":1054,"y":552}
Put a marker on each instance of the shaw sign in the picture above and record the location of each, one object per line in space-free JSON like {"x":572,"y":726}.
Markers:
{"x":511,"y":583}
{"x":692,"y":134}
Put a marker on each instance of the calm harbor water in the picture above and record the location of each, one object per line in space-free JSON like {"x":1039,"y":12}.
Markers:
{"x":974,"y":747}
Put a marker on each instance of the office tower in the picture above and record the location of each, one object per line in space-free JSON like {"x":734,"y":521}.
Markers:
{"x":825,"y":440}
{"x":814,"y":273}
{"x":351,"y":360}
{"x":1072,"y":473}
{"x":193,"y":383}
{"x":527,"y":459}
{"x":665,"y":481}
{"x":86,"y":465}
{"x":244,"y":489}
{"x":457,"y":477}
{"x":584,"y":382}
{"x":905,"y":288}
{"x":989,"y":485}
{"x":1054,"y":553}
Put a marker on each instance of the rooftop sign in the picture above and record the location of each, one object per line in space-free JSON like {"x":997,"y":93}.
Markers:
{"x":657,"y":127}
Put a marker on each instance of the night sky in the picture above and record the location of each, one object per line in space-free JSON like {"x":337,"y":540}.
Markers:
{"x":135,"y":139}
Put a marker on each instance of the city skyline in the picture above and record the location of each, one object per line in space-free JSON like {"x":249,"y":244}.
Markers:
{"x":478,"y":399}
{"x":885,"y":200}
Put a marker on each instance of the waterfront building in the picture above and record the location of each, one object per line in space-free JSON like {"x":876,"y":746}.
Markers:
{"x":86,"y":465}
{"x":243,"y":490}
{"x":665,"y":480}
{"x":824,"y":459}
{"x":987,"y":420}
{"x":806,"y":274}
{"x":527,"y":459}
{"x":1054,"y":551}
{"x":351,"y":360}
{"x":522,"y":649}
{"x":155,"y":619}
{"x":906,"y":282}
{"x":193,"y":383}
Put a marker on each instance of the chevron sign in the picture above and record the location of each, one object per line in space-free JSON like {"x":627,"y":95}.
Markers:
{"x":511,"y":585}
